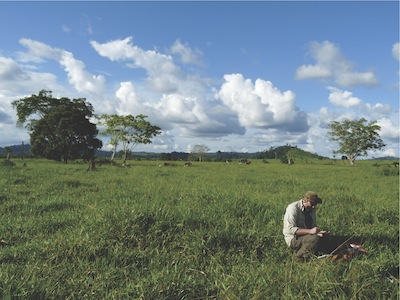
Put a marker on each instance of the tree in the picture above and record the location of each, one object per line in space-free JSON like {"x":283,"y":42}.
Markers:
{"x":219,"y":155}
{"x":60,"y":128}
{"x":8,"y":151}
{"x":290,"y":154}
{"x":129,"y":131}
{"x":200,"y":151}
{"x":355,"y":138}
{"x":22,"y":150}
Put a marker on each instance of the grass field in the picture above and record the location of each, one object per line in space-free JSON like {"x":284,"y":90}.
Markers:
{"x":208,"y":231}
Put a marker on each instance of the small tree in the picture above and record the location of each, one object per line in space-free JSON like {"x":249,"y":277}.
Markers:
{"x":355,"y":138}
{"x":200,"y":151}
{"x":22,"y":150}
{"x":219,"y":155}
{"x":129,"y":131}
{"x":290,"y":155}
{"x":8,"y":151}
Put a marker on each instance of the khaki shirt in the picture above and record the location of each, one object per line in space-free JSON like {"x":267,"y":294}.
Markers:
{"x":294,"y":219}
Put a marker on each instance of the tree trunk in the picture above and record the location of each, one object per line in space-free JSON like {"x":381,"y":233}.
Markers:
{"x":22,"y":150}
{"x":352,"y":160}
{"x":112,"y":155}
{"x":92,"y":165}
{"x":124,"y":156}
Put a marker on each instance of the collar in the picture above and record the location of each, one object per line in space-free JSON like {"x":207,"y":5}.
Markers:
{"x":302,"y":208}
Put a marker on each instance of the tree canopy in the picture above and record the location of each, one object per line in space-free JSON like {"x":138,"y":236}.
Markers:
{"x":355,"y":137}
{"x":60,"y":128}
{"x":129,"y":131}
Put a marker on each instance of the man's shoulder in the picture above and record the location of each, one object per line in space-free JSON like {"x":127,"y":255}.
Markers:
{"x":294,"y":205}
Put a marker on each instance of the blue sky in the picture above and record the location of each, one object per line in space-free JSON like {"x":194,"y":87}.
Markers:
{"x":234,"y":76}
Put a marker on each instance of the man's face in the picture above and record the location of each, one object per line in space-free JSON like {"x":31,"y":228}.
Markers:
{"x":309,"y":204}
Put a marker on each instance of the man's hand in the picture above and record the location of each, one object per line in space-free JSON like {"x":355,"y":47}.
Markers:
{"x":322,"y":233}
{"x":314,"y":230}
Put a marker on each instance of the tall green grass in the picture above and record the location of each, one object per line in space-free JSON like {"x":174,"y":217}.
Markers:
{"x":209,"y":231}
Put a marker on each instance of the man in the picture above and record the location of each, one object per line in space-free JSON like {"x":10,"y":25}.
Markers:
{"x":300,"y":228}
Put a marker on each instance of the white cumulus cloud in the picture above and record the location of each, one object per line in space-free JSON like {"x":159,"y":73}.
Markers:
{"x":260,"y":104}
{"x":38,"y":51}
{"x":18,"y":79}
{"x":9,"y":70}
{"x":396,"y":51}
{"x":129,"y":100}
{"x":346,"y":99}
{"x":389,"y":130}
{"x":124,"y":50}
{"x":331,"y":64}
{"x":79,"y":78}
{"x":188,"y":55}
{"x":342,"y":98}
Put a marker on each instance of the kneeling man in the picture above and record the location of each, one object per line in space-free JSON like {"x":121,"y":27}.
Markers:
{"x":300,"y":227}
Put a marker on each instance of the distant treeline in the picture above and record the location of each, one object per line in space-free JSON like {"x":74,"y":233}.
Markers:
{"x":23,"y":150}
{"x":215,"y":156}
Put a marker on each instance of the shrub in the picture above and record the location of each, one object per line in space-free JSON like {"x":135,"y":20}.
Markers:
{"x":8,"y":163}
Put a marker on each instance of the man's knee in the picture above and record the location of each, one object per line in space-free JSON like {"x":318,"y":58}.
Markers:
{"x":309,"y":245}
{"x":311,"y":242}
{"x":311,"y":239}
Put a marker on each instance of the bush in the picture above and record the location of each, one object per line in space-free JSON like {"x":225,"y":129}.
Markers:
{"x":390,"y":172}
{"x":8,"y":163}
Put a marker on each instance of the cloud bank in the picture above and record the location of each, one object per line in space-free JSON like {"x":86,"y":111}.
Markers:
{"x":232,"y":113}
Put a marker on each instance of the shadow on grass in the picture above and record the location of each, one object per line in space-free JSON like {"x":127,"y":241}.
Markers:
{"x":331,"y":242}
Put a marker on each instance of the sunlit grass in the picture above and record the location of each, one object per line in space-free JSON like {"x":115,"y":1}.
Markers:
{"x":209,"y":231}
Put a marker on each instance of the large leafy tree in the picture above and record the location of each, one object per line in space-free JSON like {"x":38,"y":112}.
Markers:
{"x":355,"y":137}
{"x":59,"y":128}
{"x":129,"y":131}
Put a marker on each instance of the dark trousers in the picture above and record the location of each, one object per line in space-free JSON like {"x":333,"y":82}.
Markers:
{"x":305,"y":245}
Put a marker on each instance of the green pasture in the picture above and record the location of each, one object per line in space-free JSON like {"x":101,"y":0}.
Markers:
{"x":209,"y":231}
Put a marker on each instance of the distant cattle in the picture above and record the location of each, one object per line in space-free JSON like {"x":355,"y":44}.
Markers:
{"x":244,"y":161}
{"x":164,"y":165}
{"x":344,"y":157}
{"x":396,"y":164}
{"x":188,"y":164}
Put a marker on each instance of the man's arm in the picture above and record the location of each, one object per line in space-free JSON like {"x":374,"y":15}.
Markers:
{"x":304,"y":231}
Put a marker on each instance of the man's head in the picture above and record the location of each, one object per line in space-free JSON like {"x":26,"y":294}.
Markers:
{"x":312,"y":198}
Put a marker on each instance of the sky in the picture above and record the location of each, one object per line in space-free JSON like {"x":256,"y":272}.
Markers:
{"x":232,"y":76}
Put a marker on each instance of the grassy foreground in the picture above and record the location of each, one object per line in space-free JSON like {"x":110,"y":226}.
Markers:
{"x":208,"y":231}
